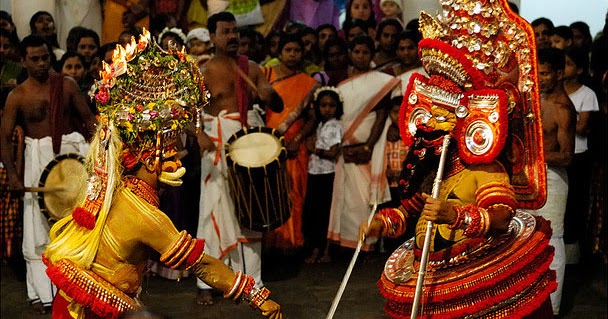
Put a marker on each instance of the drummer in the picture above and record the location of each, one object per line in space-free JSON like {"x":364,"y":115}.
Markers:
{"x":50,"y":109}
{"x":234,"y":84}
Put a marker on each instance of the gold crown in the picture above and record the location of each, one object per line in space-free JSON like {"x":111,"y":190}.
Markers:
{"x":483,"y":46}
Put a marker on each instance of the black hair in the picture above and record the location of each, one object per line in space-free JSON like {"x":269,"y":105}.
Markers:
{"x":563,"y":31}
{"x":289,"y":38}
{"x":580,"y":57}
{"x":365,"y":40}
{"x":159,"y":22}
{"x":386,"y":23}
{"x":71,"y":42}
{"x":223,"y":16}
{"x":32,"y":41}
{"x":71,"y":54}
{"x":11,"y":36}
{"x":584,"y":29}
{"x":356,"y":23}
{"x":326,"y":26}
{"x":177,"y":39}
{"x":110,"y":46}
{"x":51,"y":40}
{"x":396,"y":100}
{"x":308,"y":30}
{"x":513,"y":7}
{"x":542,"y":20}
{"x":335,"y":96}
{"x":408,"y":34}
{"x":371,"y":21}
{"x":552,"y":56}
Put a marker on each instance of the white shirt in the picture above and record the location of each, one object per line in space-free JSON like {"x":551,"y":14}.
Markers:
{"x":584,"y":100}
{"x":328,"y":134}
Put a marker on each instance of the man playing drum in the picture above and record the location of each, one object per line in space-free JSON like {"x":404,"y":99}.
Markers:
{"x":232,"y":81}
{"x":47,"y":106}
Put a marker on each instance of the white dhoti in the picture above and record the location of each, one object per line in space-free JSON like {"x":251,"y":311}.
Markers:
{"x":554,"y":211}
{"x":38,"y":154}
{"x":240,"y":249}
{"x":357,"y":187}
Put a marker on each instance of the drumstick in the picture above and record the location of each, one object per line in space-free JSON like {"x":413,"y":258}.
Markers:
{"x":349,"y":270}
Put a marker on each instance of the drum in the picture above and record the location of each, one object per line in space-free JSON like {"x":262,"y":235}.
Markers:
{"x":61,"y":183}
{"x":258,"y":180}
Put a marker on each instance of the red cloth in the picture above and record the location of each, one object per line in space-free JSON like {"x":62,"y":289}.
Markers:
{"x":241,"y":89}
{"x":56,"y":88}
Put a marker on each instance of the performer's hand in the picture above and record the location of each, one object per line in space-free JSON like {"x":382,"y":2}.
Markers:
{"x":271,"y":309}
{"x":437,"y":210}
{"x":374,"y":229}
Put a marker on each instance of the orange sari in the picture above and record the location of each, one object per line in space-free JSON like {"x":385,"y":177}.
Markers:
{"x":293,"y":90}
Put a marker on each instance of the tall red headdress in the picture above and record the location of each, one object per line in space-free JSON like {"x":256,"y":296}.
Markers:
{"x":482,"y":66}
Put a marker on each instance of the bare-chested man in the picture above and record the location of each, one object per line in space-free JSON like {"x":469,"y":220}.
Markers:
{"x":559,"y":123}
{"x":47,"y":106}
{"x":234,"y":83}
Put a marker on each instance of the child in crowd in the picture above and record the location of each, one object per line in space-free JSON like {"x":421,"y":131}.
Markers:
{"x":562,"y":37}
{"x":396,"y":151}
{"x":579,"y":172}
{"x":324,"y":150}
{"x":392,"y":9}
{"x":198,"y":43}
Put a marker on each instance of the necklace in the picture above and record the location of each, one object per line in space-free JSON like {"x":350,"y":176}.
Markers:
{"x":142,"y":190}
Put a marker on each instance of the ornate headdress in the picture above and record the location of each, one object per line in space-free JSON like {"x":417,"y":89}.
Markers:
{"x":481,"y":58}
{"x":145,"y":98}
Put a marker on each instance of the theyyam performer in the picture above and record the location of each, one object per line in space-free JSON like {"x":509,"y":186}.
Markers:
{"x":487,"y":258}
{"x":98,"y":253}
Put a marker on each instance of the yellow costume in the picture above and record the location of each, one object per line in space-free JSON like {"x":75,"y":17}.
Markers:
{"x":486,"y":259}
{"x":98,"y":253}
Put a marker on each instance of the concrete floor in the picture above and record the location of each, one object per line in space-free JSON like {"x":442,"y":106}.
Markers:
{"x":307,"y":291}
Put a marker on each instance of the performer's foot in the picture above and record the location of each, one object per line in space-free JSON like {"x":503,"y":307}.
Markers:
{"x":204,"y":297}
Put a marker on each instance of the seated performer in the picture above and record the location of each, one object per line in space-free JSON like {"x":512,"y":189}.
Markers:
{"x":486,"y":259}
{"x":98,"y":253}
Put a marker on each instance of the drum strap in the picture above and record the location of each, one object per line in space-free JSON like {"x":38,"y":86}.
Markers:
{"x":56,"y":88}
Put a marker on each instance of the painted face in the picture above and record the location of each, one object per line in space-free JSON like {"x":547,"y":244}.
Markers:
{"x":327,"y":107}
{"x":407,"y":52}
{"x":548,"y":78}
{"x":559,"y":42}
{"x":390,"y":9}
{"x":543,"y":36}
{"x":291,"y":55}
{"x":226,"y":37}
{"x":361,"y":57}
{"x":387,"y":38}
{"x":74,"y":68}
{"x":87,"y":48}
{"x":37,"y":61}
{"x":171,"y":169}
{"x":361,"y":9}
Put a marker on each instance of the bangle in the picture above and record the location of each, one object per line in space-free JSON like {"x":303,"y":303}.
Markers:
{"x":257,"y":297}
{"x":297,"y":138}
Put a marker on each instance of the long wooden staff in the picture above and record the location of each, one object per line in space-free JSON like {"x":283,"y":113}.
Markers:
{"x":429,"y":229}
{"x":349,"y":270}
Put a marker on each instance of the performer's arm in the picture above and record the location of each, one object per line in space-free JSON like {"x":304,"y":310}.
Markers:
{"x":392,"y":222}
{"x":8,"y":122}
{"x":266,"y":93}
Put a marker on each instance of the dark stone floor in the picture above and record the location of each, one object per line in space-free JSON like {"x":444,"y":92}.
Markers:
{"x":306,"y":291}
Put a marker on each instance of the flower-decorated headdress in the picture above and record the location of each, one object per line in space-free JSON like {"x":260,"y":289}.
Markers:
{"x":145,"y":97}
{"x":328,"y":88}
{"x":483,"y":89}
